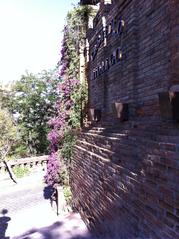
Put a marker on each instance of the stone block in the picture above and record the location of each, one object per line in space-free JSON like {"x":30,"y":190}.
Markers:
{"x":120,"y":111}
{"x":94,"y":115}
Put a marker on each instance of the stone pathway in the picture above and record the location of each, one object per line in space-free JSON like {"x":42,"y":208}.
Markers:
{"x":27,"y":215}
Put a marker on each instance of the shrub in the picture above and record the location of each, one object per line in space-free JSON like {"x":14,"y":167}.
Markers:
{"x":68,"y":146}
{"x":20,"y":172}
{"x":68,"y":195}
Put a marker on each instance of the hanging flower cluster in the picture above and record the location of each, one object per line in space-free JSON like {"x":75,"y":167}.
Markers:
{"x":69,"y":102}
{"x":62,"y":122}
{"x":53,"y":167}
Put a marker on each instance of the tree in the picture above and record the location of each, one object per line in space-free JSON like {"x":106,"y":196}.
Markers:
{"x":32,"y":101}
{"x":5,"y":97}
{"x":8,"y":128}
{"x":8,"y":132}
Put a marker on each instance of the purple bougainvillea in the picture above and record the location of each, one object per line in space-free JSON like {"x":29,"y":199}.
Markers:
{"x":52,"y":169}
{"x":60,"y":123}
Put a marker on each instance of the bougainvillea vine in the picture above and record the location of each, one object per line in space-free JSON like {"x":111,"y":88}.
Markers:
{"x":70,"y":91}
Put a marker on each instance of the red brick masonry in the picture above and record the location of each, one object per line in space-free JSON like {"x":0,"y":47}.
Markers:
{"x":125,"y":175}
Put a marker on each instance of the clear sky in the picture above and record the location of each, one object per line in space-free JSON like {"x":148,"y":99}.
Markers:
{"x":30,"y":35}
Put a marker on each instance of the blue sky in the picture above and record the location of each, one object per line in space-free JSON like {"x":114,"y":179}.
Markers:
{"x":30,"y":35}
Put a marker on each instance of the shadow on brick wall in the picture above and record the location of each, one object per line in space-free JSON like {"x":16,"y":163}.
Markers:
{"x":124,"y":180}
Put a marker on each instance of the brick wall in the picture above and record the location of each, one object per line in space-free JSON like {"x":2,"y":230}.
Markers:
{"x":125,"y":175}
{"x":125,"y":180}
{"x":144,"y":69}
{"x":174,"y":36}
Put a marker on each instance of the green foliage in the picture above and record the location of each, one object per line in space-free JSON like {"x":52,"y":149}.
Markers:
{"x":78,"y":113}
{"x":63,"y":176}
{"x":4,"y":98}
{"x":64,"y":155}
{"x":20,"y":172}
{"x":8,"y":132}
{"x":74,"y":37}
{"x":68,"y":146}
{"x":19,"y":149}
{"x":77,"y":21}
{"x":67,"y":194}
{"x":32,"y":101}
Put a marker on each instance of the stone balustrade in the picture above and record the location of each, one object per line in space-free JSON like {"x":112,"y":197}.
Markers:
{"x":34,"y":164}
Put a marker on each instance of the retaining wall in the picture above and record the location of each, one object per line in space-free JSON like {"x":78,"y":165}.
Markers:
{"x":125,"y":175}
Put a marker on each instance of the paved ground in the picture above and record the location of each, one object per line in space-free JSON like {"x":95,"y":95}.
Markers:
{"x":27,"y":215}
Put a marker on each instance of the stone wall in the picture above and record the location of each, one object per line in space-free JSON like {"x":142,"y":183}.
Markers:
{"x":125,"y":175}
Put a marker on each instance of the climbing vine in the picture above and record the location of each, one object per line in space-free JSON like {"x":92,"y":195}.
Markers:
{"x":72,"y":96}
